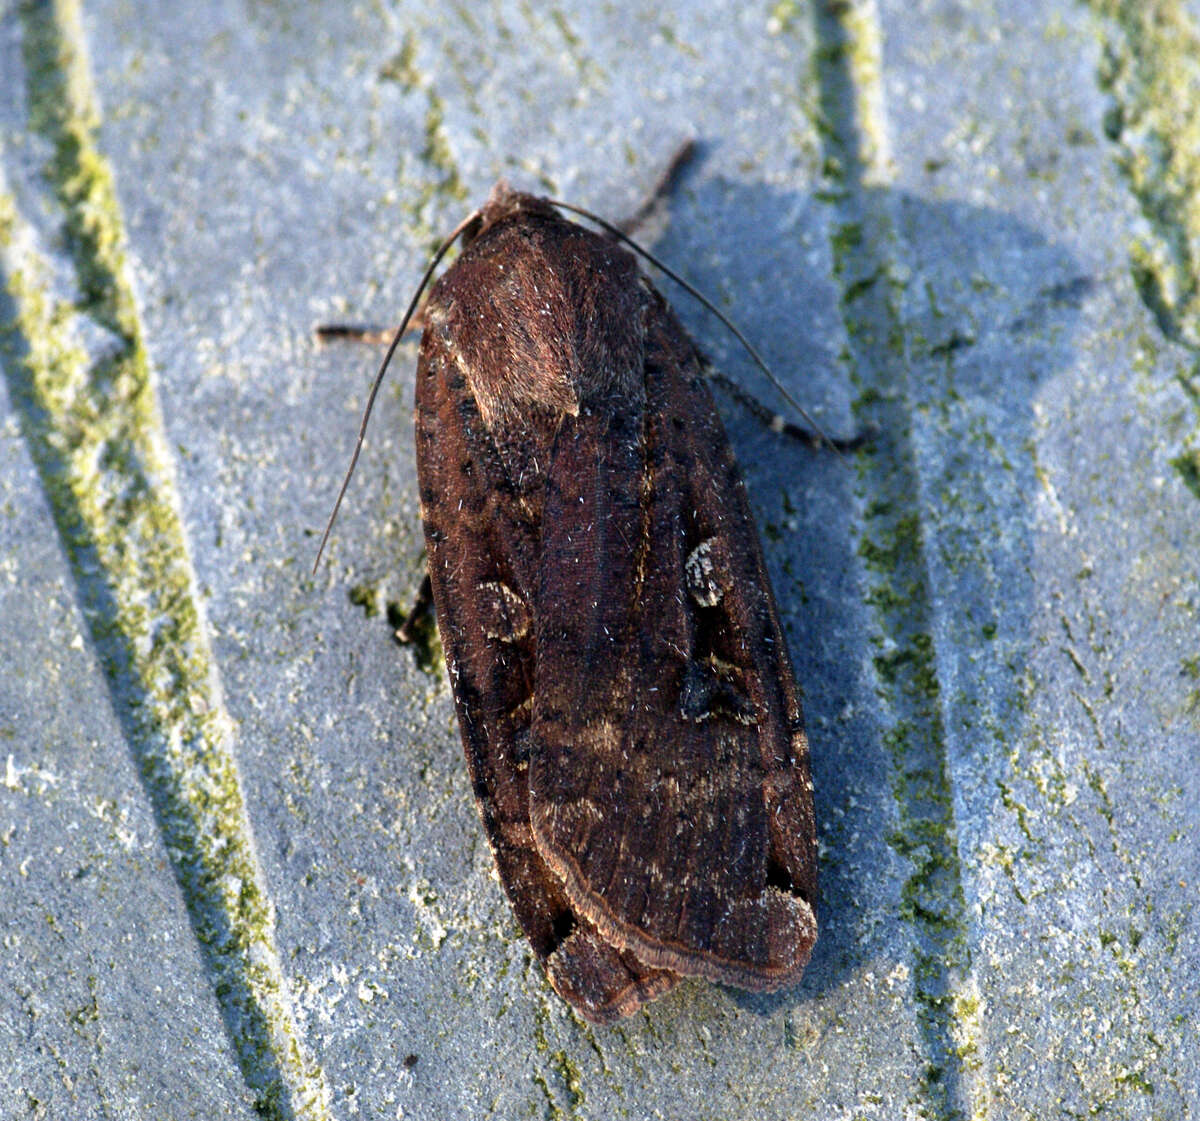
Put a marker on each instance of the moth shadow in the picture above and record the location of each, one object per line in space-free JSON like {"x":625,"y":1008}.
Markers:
{"x":986,"y":313}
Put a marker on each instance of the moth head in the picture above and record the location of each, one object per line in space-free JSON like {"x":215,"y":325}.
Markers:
{"x":503,"y":202}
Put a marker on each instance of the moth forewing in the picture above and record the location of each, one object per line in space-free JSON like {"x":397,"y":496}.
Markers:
{"x":627,"y":706}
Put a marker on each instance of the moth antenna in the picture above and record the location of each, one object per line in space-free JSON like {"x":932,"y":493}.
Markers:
{"x":697,"y":294}
{"x":387,"y":358}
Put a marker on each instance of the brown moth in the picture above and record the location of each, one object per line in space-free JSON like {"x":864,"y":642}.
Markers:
{"x":624,"y":691}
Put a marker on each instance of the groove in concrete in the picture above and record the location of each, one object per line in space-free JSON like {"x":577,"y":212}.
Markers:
{"x":865,"y":259}
{"x":1149,"y":53}
{"x":1148,"y":69}
{"x":78,"y":373}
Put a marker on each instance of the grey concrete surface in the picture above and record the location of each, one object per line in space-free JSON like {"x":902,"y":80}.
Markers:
{"x":937,"y":218}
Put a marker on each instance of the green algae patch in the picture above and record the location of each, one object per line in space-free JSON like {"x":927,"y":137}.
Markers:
{"x":369,"y":597}
{"x":90,"y":416}
{"x":1148,"y":69}
{"x":436,"y":152}
{"x":1188,"y":467}
{"x":401,"y":68}
{"x":442,"y":179}
{"x":891,"y":549}
{"x":422,"y":638}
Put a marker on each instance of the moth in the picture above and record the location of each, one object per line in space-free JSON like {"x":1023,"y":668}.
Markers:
{"x":627,"y":705}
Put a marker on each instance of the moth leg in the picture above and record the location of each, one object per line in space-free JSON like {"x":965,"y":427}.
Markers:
{"x":781,"y":424}
{"x":352,"y":332}
{"x":408,"y":629}
{"x":667,"y":182}
{"x":375,"y":333}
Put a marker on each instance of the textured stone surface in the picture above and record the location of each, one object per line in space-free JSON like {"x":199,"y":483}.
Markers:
{"x":918,"y":212}
{"x":105,"y":1007}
